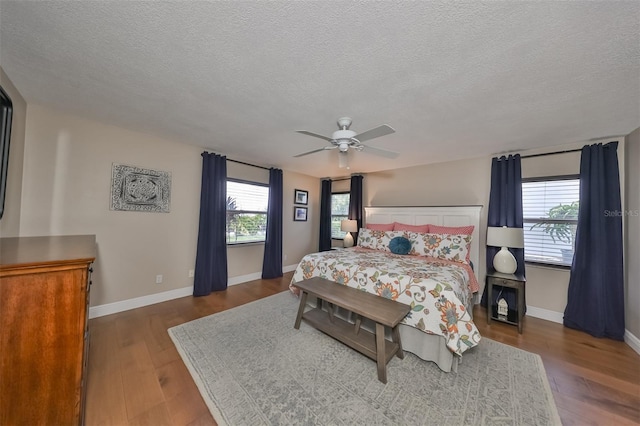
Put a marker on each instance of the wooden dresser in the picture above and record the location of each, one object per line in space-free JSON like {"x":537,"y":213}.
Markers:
{"x":44,"y":310}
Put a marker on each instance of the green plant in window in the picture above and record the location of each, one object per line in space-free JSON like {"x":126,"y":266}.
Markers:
{"x":561,"y":231}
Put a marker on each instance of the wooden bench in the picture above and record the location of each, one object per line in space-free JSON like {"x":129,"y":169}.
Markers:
{"x":384,"y":312}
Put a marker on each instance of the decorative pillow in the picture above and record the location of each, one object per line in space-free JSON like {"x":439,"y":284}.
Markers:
{"x":369,"y":238}
{"x":463,"y":230}
{"x":414,"y":228}
{"x":424,"y":244}
{"x":377,"y":240}
{"x":400,"y":245}
{"x":380,"y":226}
{"x":454,"y":230}
{"x":443,"y":246}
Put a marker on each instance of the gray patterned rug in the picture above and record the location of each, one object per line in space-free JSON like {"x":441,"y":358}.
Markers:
{"x":253,"y":368}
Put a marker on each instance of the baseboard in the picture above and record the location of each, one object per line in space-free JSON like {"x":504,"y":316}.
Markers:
{"x":138,"y":302}
{"x":632,"y":341}
{"x":289,"y":268}
{"x":545,"y":314}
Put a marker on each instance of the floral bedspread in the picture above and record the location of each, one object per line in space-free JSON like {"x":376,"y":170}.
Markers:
{"x":437,"y":290}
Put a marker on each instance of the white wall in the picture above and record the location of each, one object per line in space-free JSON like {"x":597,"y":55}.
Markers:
{"x":66,"y":190}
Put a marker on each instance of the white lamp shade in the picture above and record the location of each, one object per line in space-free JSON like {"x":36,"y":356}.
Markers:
{"x":349,"y":225}
{"x":505,"y":237}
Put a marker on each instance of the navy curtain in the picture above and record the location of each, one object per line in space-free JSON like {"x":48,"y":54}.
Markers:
{"x":325,"y":216}
{"x":505,"y":209}
{"x":355,"y":204}
{"x":211,"y":256}
{"x":272,"y":260}
{"x":595,"y":301}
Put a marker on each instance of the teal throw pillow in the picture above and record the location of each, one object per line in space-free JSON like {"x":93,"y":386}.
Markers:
{"x":400,"y":245}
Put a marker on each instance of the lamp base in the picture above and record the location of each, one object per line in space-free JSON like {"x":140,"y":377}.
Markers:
{"x":348,"y":240}
{"x":505,"y":262}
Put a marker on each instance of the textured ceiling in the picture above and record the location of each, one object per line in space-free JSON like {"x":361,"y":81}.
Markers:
{"x":455,"y":79}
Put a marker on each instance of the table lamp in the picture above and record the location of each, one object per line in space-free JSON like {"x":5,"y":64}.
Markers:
{"x":505,"y":237}
{"x":348,"y":226}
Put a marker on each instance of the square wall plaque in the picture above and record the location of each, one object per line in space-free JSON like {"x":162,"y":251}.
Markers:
{"x":141,"y":190}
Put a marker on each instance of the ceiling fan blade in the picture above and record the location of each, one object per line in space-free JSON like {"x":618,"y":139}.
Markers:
{"x":375,"y":133}
{"x":379,"y":151}
{"x":343,"y":160}
{"x":315,"y":150}
{"x":315,"y":135}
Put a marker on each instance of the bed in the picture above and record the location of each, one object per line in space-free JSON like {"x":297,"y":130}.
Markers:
{"x":439,"y":286}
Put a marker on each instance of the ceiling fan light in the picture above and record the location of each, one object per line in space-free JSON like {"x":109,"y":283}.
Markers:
{"x":344,"y":146}
{"x":343,"y":161}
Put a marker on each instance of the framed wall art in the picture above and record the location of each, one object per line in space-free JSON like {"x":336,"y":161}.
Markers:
{"x":301,"y":197}
{"x":142,"y":190}
{"x":300,"y":214}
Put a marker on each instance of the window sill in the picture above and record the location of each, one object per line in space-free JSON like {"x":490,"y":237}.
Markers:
{"x":248,"y":243}
{"x":548,"y":266}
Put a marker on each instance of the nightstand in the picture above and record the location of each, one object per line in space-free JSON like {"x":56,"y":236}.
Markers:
{"x":515,"y":281}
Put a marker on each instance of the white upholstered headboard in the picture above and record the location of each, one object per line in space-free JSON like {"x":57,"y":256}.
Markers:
{"x":441,"y":215}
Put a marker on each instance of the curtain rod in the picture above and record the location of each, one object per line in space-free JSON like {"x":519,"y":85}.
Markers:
{"x":342,"y":178}
{"x":248,"y":164}
{"x":551,"y":153}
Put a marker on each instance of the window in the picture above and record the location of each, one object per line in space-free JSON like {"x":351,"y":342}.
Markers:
{"x":550,"y":212}
{"x":339,"y":212}
{"x":247,"y":204}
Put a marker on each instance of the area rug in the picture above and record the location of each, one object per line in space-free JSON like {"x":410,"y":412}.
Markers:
{"x":253,"y":368}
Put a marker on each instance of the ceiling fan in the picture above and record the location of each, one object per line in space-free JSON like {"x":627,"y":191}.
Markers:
{"x":343,"y":139}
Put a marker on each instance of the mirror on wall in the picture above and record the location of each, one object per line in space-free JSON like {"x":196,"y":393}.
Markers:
{"x":6,"y":114}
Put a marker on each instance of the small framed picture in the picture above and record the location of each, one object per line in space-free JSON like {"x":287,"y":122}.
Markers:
{"x":300,"y":214}
{"x":301,"y":197}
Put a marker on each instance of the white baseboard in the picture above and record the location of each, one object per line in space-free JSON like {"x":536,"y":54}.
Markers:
{"x":138,"y":302}
{"x":289,"y":268}
{"x":545,"y":314}
{"x":632,"y":341}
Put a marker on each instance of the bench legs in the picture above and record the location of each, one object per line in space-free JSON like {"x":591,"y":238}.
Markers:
{"x":381,"y":353}
{"x":395,"y":337}
{"x":303,"y":303}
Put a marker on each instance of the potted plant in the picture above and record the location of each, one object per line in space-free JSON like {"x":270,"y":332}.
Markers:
{"x":559,"y":230}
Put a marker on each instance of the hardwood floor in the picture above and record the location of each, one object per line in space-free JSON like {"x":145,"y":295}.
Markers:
{"x":136,"y":376}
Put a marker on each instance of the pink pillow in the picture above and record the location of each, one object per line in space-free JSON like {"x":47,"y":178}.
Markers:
{"x":413,"y":228}
{"x":455,"y":230}
{"x":380,"y":226}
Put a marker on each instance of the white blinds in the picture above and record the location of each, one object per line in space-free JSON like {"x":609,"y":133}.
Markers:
{"x":550,"y":211}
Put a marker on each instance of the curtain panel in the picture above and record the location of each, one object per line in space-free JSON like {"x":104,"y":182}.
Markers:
{"x":272,"y":260}
{"x":595,"y":300}
{"x":505,"y":209}
{"x":325,"y":216}
{"x":355,"y":203}
{"x":211,"y":256}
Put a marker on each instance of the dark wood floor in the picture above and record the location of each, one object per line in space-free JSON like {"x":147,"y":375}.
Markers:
{"x":136,"y":376}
